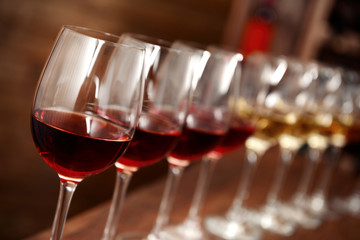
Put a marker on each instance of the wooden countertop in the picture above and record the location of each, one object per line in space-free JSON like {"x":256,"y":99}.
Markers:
{"x":141,"y":206}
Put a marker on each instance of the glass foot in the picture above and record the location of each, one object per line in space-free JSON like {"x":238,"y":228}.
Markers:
{"x":319,"y":207}
{"x":349,"y":205}
{"x":301,"y":215}
{"x":224,"y":228}
{"x":273,"y":220}
{"x":141,"y":236}
{"x":189,"y":230}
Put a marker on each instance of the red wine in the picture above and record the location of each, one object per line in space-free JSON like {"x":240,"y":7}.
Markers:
{"x":77,"y":145}
{"x":235,"y":138}
{"x":152,"y":141}
{"x":199,"y":137}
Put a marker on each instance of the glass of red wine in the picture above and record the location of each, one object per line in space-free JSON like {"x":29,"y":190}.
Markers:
{"x":168,"y":76}
{"x":207,"y":122}
{"x":88,"y":80}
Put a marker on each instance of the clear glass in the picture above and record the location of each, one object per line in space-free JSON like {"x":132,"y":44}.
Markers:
{"x":86,"y":107}
{"x":298,"y":205}
{"x":168,"y":75}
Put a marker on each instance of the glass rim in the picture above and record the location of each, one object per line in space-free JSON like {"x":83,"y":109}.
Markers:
{"x":109,"y":38}
{"x":211,"y":49}
{"x":149,"y":39}
{"x":160,"y":42}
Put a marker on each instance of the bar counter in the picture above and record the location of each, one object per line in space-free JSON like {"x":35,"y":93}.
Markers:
{"x":141,"y":205}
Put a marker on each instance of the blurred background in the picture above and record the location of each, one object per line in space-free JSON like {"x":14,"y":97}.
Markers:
{"x":327,"y":30}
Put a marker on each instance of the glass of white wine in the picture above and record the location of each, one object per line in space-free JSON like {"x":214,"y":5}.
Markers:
{"x":336,"y":110}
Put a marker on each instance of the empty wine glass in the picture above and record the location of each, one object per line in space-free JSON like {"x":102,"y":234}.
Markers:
{"x":86,"y":107}
{"x":168,"y":75}
{"x":236,"y":223}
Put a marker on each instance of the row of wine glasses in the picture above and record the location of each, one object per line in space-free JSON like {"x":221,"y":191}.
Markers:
{"x":305,"y":104}
{"x":168,"y":76}
{"x":133,"y":100}
{"x":207,"y":121}
{"x":204,"y":116}
{"x":278,"y":108}
{"x":331,"y":113}
{"x":327,"y":121}
{"x":130,"y":101}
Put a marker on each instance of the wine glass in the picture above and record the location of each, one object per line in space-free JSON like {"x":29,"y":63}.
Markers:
{"x":315,"y":127}
{"x":236,"y":222}
{"x":282,"y":111}
{"x":168,"y":76}
{"x":85,"y":108}
{"x":336,"y":111}
{"x":207,"y":122}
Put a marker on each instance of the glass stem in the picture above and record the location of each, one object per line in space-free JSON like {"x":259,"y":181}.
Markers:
{"x":252,"y":159}
{"x":66,"y":193}
{"x":171,"y":186}
{"x":323,"y":187}
{"x":121,"y":184}
{"x":353,"y":201}
{"x":356,"y":191}
{"x":314,"y":156}
{"x":280,"y":174}
{"x":206,"y":171}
